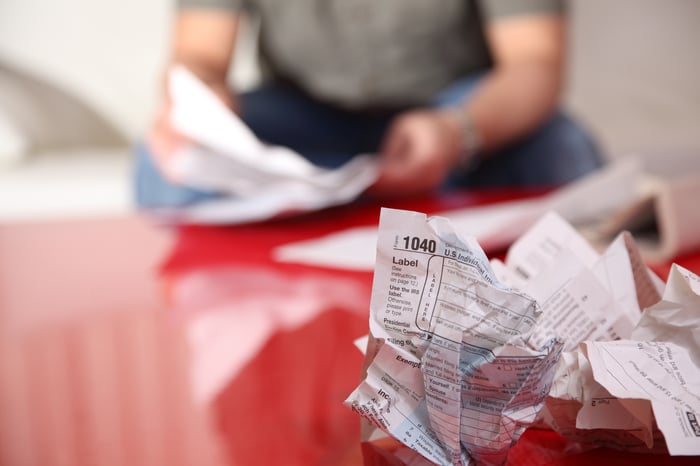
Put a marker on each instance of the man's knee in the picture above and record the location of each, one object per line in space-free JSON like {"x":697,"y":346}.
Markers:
{"x":567,"y":149}
{"x":151,"y":189}
{"x":558,"y":152}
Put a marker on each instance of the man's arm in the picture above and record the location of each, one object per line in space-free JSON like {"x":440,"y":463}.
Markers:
{"x":204,"y":40}
{"x":514,"y":98}
{"x":525,"y":84}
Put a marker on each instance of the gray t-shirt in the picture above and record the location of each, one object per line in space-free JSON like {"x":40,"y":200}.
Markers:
{"x":375,"y":53}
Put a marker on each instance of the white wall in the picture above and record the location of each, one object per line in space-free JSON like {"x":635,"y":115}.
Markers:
{"x":635,"y":73}
{"x":109,"y":52}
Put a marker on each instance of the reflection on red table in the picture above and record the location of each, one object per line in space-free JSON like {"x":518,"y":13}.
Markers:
{"x":108,"y":327}
{"x":90,"y":371}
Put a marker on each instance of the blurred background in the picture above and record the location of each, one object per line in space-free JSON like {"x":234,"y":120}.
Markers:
{"x":79,"y":81}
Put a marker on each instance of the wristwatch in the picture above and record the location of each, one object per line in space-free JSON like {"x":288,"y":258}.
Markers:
{"x":471,"y":141}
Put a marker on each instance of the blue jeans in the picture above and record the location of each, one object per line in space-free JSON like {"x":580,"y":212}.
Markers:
{"x":558,"y":152}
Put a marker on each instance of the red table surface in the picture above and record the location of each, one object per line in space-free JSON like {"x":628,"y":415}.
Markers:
{"x":96,"y":349}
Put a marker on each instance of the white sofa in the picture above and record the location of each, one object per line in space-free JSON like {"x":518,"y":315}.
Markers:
{"x":632,"y":79}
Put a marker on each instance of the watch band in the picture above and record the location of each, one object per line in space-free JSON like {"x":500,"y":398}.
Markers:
{"x":471,"y":140}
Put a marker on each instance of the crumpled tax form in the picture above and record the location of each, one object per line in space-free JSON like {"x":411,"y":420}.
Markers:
{"x":456,"y":377}
{"x":642,"y":392}
{"x":464,"y":354}
{"x":629,"y":376}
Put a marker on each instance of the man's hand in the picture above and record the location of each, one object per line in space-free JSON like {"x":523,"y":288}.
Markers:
{"x":163,"y":140}
{"x":418,"y":152}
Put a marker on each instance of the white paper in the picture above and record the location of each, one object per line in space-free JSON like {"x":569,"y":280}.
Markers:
{"x":494,"y":226}
{"x":661,"y":372}
{"x":457,"y":378}
{"x":616,"y":270}
{"x":676,"y":318}
{"x":355,"y":247}
{"x":556,"y":266}
{"x":456,"y":339}
{"x":613,"y":393}
{"x":541,"y":245}
{"x":256,"y":180}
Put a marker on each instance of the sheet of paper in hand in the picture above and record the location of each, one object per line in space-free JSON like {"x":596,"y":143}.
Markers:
{"x":255,"y":180}
{"x":456,"y":376}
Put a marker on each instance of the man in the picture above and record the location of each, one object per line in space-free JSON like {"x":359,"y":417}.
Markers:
{"x":446,"y":92}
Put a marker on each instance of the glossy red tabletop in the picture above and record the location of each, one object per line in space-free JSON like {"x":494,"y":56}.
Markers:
{"x":123,"y":342}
